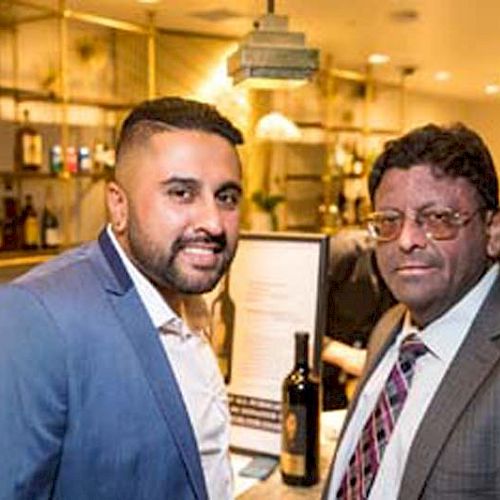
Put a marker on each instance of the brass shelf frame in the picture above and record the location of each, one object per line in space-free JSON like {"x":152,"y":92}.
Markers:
{"x":328,"y":78}
{"x":18,"y":12}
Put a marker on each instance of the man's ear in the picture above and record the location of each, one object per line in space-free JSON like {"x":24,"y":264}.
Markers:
{"x":493,"y":247}
{"x":117,"y":204}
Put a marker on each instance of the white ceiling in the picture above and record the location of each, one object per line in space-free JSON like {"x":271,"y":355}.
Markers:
{"x":460,"y":36}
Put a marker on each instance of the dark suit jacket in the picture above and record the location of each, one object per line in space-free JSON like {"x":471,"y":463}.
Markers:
{"x":456,"y":451}
{"x":89,"y":405}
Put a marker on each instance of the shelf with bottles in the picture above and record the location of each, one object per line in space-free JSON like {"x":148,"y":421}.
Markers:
{"x":34,"y":160}
{"x":24,"y":228}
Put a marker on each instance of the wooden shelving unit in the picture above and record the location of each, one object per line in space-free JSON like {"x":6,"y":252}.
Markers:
{"x":19,"y":15}
{"x":321,"y":179}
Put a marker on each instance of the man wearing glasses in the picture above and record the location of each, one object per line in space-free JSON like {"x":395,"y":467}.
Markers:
{"x":425,"y":422}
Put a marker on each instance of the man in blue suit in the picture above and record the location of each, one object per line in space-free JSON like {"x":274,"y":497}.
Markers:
{"x":108,"y":387}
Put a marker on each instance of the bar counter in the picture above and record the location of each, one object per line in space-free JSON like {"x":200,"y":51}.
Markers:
{"x":273,"y":487}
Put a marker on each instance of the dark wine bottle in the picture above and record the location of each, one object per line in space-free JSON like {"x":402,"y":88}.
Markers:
{"x":29,"y":225}
{"x":10,"y":229}
{"x":299,"y":461}
{"x":28,"y":149}
{"x":51,"y":236}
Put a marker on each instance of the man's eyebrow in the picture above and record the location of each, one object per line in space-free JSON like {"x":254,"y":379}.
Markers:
{"x":230,"y":185}
{"x":189,"y":181}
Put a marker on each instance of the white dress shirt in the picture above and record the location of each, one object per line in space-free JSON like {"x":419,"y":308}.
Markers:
{"x":199,"y":378}
{"x":443,"y":338}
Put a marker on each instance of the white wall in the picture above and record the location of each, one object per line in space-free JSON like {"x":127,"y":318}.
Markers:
{"x":481,"y":116}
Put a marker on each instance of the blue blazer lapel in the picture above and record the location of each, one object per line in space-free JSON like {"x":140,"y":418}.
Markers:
{"x":155,"y":364}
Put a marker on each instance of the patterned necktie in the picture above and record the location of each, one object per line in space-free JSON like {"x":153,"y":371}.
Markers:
{"x":366,"y":458}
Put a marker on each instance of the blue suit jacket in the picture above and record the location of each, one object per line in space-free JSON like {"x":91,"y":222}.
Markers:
{"x":89,"y":405}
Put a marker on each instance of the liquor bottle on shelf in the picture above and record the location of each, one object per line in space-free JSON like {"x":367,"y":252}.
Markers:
{"x":29,"y":225}
{"x":99,"y":157}
{"x":84,"y":159}
{"x":51,"y":234}
{"x":10,"y":230}
{"x":71,"y":160}
{"x":222,"y":312}
{"x":28,"y":153}
{"x":56,"y":159}
{"x":299,"y":461}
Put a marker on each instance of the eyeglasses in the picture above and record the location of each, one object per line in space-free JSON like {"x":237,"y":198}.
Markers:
{"x":437,"y":223}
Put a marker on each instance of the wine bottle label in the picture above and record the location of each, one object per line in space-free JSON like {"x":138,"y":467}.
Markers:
{"x":292,"y":460}
{"x":52,"y":237}
{"x":31,"y":231}
{"x":32,"y":149}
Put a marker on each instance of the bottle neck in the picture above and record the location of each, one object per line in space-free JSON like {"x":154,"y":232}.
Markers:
{"x":301,"y":350}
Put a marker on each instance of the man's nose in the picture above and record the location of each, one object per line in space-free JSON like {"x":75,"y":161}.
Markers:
{"x":209,"y":217}
{"x":413,"y":235}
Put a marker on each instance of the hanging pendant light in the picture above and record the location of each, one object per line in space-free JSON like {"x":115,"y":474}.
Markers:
{"x":272,"y":57}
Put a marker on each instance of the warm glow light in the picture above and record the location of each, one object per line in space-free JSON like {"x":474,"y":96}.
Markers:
{"x":217,"y":89}
{"x":442,"y":76}
{"x":150,"y":2}
{"x":276,"y":127}
{"x":378,"y":58}
{"x":492,"y":88}
{"x":272,"y":83}
{"x":216,"y":82}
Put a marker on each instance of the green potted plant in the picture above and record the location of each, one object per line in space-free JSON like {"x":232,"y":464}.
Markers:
{"x":267,"y":203}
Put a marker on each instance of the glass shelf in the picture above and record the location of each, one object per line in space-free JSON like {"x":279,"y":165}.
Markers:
{"x":62,"y":176}
{"x":24,"y":95}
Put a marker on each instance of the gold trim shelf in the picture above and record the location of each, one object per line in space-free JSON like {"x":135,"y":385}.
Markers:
{"x":15,"y":258}
{"x":7,"y":176}
{"x":23,"y":95}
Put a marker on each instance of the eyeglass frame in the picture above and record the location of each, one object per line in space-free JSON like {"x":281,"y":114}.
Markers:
{"x":458,"y":219}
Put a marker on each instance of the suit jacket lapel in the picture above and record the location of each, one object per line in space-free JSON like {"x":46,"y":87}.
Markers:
{"x":158,"y":371}
{"x":474,"y":360}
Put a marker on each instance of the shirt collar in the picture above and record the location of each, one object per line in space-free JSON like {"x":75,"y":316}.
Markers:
{"x":158,"y":310}
{"x":444,"y":336}
{"x":194,"y":319}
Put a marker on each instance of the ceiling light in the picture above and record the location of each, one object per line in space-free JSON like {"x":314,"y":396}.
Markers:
{"x":492,"y":88}
{"x":378,"y":58}
{"x":442,"y":76}
{"x":149,"y":2}
{"x":271,"y":56}
{"x":277,"y":127}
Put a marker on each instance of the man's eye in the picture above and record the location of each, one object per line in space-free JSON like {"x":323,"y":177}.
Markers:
{"x":180,"y":193}
{"x":388,"y":219}
{"x":438,"y":217}
{"x":229,"y":199}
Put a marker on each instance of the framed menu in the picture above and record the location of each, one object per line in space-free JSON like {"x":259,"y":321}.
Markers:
{"x":276,"y":287}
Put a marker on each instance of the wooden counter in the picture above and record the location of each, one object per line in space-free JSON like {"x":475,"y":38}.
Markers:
{"x":273,"y":487}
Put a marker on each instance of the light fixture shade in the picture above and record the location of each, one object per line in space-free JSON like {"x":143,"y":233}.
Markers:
{"x":276,"y":126}
{"x":272,"y":57}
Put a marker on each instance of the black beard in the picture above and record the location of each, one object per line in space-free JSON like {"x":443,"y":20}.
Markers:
{"x":160,"y":266}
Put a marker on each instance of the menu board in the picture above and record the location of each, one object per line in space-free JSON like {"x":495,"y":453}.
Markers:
{"x":276,"y":286}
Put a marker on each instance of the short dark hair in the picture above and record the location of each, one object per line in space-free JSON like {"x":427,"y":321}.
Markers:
{"x":454,"y":150}
{"x":173,"y":113}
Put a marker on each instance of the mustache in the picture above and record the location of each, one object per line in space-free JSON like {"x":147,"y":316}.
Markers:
{"x":421,"y":262}
{"x":219,"y":241}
